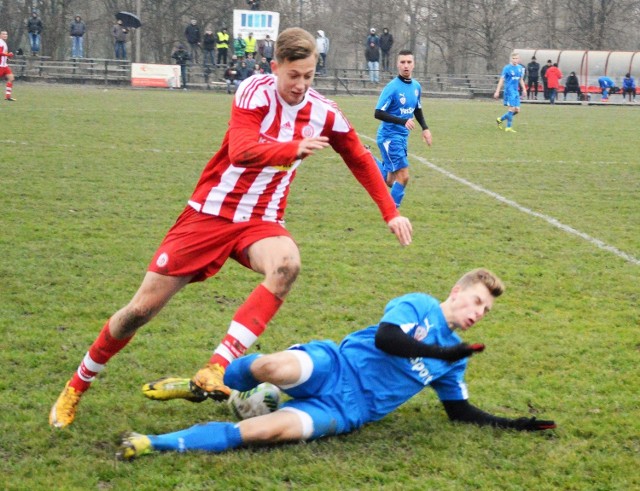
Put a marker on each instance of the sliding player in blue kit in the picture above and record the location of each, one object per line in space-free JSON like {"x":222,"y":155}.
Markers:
{"x":511,"y":78}
{"x":337,"y":389}
{"x":399,"y":102}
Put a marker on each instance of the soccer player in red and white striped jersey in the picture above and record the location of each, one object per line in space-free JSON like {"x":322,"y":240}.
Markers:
{"x":5,"y":71}
{"x":237,"y":211}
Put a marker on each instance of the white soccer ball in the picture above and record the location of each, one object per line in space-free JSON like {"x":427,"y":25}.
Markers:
{"x":263,"y":399}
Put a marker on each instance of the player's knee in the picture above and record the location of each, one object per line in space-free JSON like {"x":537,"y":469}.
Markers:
{"x":287,"y":271}
{"x":268,"y":368}
{"x":136,"y":315}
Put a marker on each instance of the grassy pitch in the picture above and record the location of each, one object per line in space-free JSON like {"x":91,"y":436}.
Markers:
{"x":92,"y":179}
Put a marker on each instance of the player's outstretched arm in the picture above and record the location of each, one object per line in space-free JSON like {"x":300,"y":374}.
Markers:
{"x":464,"y":412}
{"x":391,"y":339}
{"x":402,"y":228}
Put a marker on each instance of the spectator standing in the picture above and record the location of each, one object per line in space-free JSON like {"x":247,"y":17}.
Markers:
{"x":266,"y":49}
{"x":209,"y":46}
{"x":373,"y":38}
{"x":76,"y":31}
{"x":572,"y":84}
{"x":606,"y":84}
{"x":5,"y":70}
{"x":252,"y":46}
{"x":239,"y":47}
{"x":182,"y":57}
{"x":386,"y":43}
{"x":629,"y":88}
{"x":372,"y":55}
{"x":322,"y":45}
{"x":553,"y":76}
{"x":543,"y":71}
{"x":533,"y":75}
{"x":194,"y":37}
{"x":34,"y":27}
{"x":222,"y":45}
{"x":119,"y":33}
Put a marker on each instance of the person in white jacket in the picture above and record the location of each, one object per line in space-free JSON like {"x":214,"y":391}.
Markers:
{"x":322,"y":44}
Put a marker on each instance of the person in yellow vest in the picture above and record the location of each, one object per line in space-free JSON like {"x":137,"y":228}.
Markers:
{"x":222,"y":45}
{"x":251,"y":51}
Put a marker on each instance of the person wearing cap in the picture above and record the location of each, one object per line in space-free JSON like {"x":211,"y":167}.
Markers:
{"x":322,"y":45}
{"x":222,"y":45}
{"x":182,"y":57}
{"x":373,"y":38}
{"x":266,"y":49}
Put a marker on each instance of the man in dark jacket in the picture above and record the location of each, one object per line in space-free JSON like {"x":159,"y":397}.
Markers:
{"x":192,"y":33}
{"x":572,"y":85}
{"x":209,"y":45}
{"x":386,"y":43}
{"x":34,"y":27}
{"x":533,"y":74}
{"x":182,"y":57}
{"x":76,"y":31}
{"x":372,"y":55}
{"x":543,"y":71}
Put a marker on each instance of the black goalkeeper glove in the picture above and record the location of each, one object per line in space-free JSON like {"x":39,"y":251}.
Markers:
{"x":460,"y":351}
{"x":533,"y":424}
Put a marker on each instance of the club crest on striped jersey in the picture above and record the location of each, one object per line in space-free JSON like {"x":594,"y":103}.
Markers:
{"x":162,"y":260}
{"x":307,"y":131}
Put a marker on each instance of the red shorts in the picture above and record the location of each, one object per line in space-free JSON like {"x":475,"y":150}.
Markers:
{"x":199,"y":244}
{"x":4,"y":71}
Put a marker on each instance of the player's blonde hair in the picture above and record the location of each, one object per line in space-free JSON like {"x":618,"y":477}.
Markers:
{"x":295,"y":44}
{"x":484,"y":276}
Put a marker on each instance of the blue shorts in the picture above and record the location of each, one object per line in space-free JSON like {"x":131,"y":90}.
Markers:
{"x":394,"y":153}
{"x":330,"y":395}
{"x":512,"y":98}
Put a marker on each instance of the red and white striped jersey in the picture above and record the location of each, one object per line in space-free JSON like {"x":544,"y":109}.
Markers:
{"x":4,"y":50}
{"x":249,"y":177}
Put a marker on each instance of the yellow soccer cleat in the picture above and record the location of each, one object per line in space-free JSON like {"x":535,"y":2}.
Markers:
{"x":168,"y":388}
{"x":510,"y":130}
{"x":499,"y":121}
{"x":134,"y":445}
{"x":64,"y":410}
{"x":210,"y":382}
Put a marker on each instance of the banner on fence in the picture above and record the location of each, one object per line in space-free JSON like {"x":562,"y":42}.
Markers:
{"x":259,"y":22}
{"x":150,"y":75}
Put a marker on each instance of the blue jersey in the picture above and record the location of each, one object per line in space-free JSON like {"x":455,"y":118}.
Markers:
{"x":606,"y":82}
{"x":388,"y":381}
{"x":512,"y":74}
{"x":356,"y":383}
{"x":399,"y":98}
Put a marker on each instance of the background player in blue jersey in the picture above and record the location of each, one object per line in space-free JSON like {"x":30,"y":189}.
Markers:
{"x":512,"y":76}
{"x":337,"y":389}
{"x":606,"y":84}
{"x":399,"y":102}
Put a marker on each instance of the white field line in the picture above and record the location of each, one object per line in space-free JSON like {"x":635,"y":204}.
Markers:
{"x":556,"y":223}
